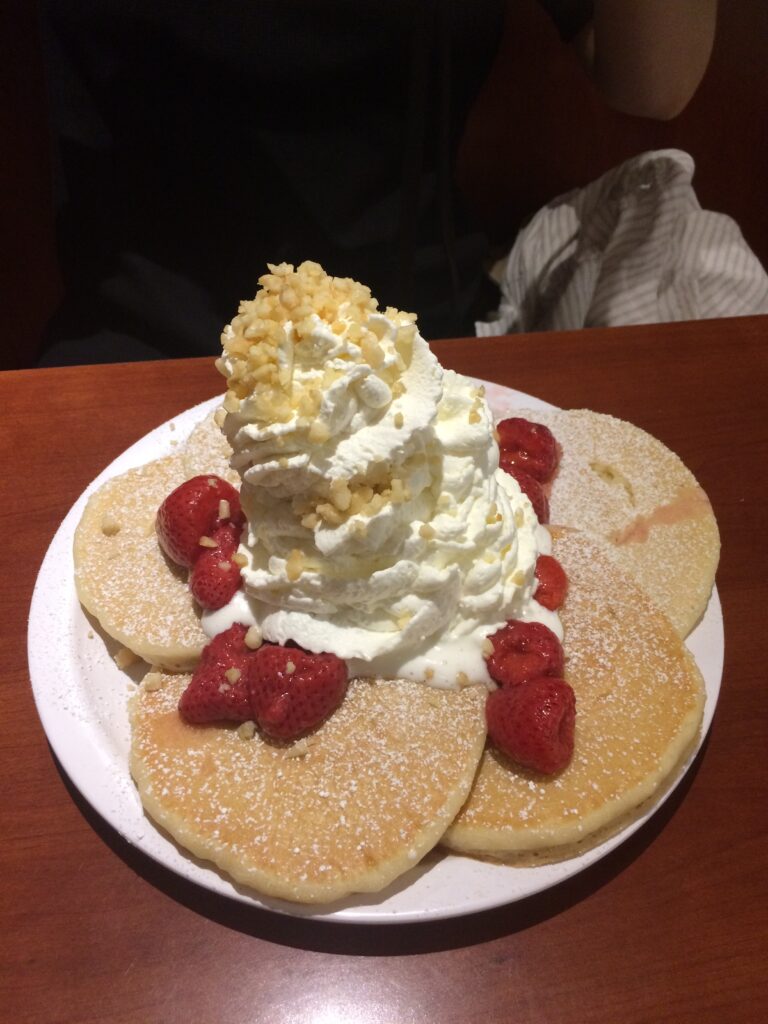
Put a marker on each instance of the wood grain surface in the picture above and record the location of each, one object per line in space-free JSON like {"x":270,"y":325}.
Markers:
{"x":672,"y":926}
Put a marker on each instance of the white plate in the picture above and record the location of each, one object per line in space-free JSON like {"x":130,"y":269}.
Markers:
{"x":81,"y":697}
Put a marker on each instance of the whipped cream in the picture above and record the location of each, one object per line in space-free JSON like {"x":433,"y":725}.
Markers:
{"x":379,"y":524}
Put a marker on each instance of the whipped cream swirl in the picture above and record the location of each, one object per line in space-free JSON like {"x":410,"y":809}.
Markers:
{"x":379,"y":524}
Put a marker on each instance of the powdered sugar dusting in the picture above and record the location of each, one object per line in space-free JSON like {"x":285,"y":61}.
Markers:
{"x":371,"y":793}
{"x":208,"y":451}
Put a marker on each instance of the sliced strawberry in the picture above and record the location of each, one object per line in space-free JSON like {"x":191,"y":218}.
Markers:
{"x":213,"y":695}
{"x":529,"y":446}
{"x":553,"y":583}
{"x":192,"y":511}
{"x":293,"y":691}
{"x":529,"y":486}
{"x":215,"y":578}
{"x":533,"y":723}
{"x":524,"y":650}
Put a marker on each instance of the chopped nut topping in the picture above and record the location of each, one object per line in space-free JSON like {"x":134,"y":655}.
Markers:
{"x":224,"y":510}
{"x":399,"y":420}
{"x":263,"y":339}
{"x":240,"y":559}
{"x":340,"y":494}
{"x":124,"y":658}
{"x":246,"y":730}
{"x":231,"y":402}
{"x":233,"y":674}
{"x":207,"y":542}
{"x":153,"y":681}
{"x":253,"y":638}
{"x":290,"y":668}
{"x":373,"y":353}
{"x":426,"y":531}
{"x":109,"y":525}
{"x":318,"y":432}
{"x":294,"y":565}
{"x":299,"y":748}
{"x":330,"y":514}
{"x":487,"y":647}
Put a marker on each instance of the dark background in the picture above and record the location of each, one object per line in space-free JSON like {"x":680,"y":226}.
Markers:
{"x":537,"y":129}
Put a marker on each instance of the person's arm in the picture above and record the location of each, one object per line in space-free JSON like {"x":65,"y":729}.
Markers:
{"x":647,"y":57}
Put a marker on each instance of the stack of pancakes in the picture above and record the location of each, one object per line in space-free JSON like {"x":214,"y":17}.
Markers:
{"x":402,"y":767}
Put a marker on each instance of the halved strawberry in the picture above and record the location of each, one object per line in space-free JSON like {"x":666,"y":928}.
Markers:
{"x":534,"y":723}
{"x":215,"y":578}
{"x":293,"y":691}
{"x":529,"y":446}
{"x":218,"y":690}
{"x":524,"y":650}
{"x":192,"y":511}
{"x":529,"y":486}
{"x":553,"y":583}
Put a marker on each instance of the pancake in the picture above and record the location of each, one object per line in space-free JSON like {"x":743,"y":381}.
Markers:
{"x":639,"y":703}
{"x":363,"y":799}
{"x":619,"y":483}
{"x":122,"y":576}
{"x":208,"y":451}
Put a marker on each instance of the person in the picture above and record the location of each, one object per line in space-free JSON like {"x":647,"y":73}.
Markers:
{"x":196,"y":143}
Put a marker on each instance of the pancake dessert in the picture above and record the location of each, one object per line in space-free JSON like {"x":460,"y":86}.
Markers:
{"x":639,"y":699}
{"x":616,"y":481}
{"x":319,"y":578}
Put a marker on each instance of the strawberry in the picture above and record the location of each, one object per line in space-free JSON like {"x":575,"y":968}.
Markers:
{"x":533,"y":723}
{"x":524,"y":650}
{"x":529,"y":486}
{"x":190,"y":512}
{"x":529,"y":446}
{"x":215,"y":578}
{"x":553,"y":583}
{"x":211,"y":695}
{"x":292,"y":691}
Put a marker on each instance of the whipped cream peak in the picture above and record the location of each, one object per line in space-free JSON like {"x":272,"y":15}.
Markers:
{"x":379,"y":524}
{"x":288,"y":349}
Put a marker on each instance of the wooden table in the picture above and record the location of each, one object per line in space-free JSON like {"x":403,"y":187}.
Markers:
{"x":672,"y":926}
